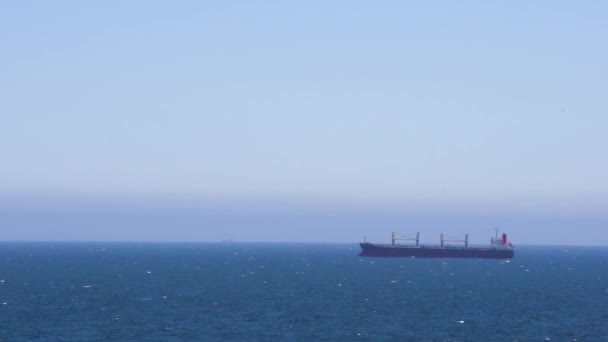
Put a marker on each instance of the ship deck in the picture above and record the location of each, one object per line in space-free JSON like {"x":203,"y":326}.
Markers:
{"x":431,"y":247}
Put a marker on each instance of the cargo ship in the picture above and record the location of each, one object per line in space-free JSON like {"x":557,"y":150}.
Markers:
{"x":500,"y":248}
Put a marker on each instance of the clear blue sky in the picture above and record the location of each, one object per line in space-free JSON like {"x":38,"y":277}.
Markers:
{"x":441,"y":105}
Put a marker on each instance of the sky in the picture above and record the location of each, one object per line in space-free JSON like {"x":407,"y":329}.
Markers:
{"x":308,"y":121}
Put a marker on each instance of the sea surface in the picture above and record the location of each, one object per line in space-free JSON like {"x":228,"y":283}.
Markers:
{"x":67,"y":291}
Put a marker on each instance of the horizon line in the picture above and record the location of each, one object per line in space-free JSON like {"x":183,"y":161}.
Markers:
{"x":287,"y":242}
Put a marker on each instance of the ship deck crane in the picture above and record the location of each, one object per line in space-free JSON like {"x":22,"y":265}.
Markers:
{"x":395,"y":237}
{"x":465,"y":241}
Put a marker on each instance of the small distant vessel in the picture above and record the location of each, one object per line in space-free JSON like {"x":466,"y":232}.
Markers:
{"x":500,"y":248}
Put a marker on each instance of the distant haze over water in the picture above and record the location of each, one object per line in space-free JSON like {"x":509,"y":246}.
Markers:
{"x":149,"y":218}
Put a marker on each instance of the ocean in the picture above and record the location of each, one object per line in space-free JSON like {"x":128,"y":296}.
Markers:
{"x":85,"y":291}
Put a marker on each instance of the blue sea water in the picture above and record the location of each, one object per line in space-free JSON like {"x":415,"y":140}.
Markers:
{"x":234,"y":291}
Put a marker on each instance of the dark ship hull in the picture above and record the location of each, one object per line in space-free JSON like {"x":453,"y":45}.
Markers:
{"x":369,"y":249}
